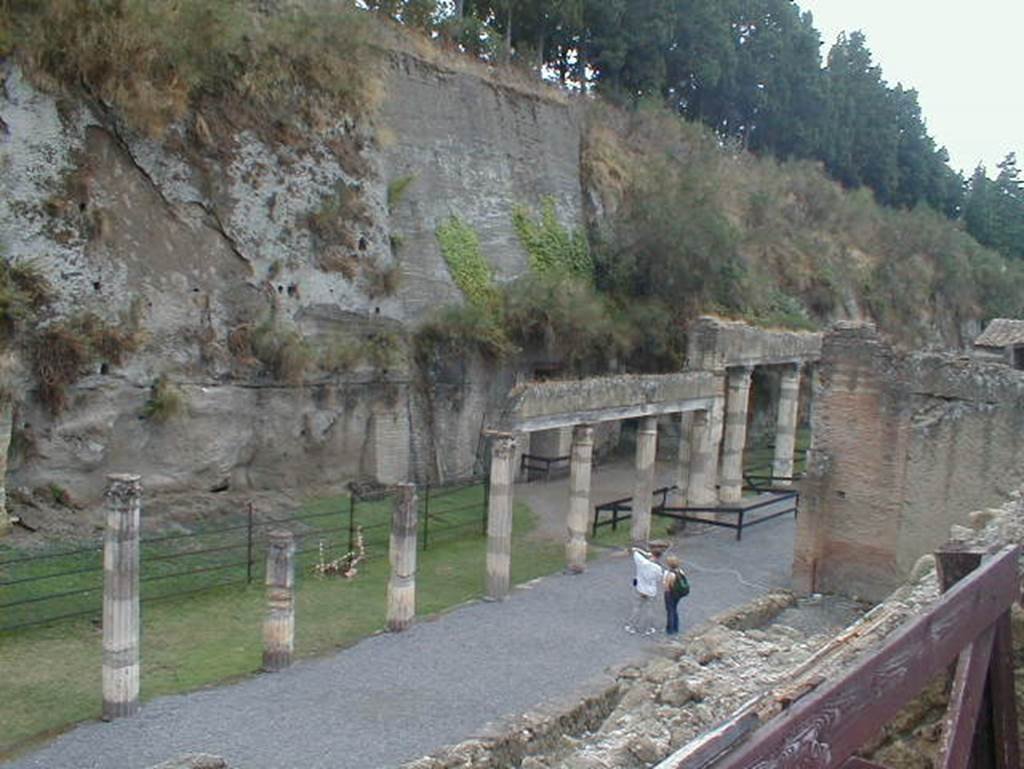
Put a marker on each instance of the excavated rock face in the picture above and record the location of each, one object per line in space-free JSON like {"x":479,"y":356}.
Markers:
{"x":204,"y":237}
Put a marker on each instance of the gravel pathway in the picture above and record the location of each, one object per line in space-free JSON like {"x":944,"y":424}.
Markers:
{"x":392,"y":698}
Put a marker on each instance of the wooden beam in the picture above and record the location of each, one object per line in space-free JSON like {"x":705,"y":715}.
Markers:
{"x":1004,"y":699}
{"x":954,"y":561}
{"x":706,"y":749}
{"x":826,"y":727}
{"x":965,"y":701}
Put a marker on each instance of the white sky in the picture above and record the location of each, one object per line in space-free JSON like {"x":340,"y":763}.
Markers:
{"x":964,"y":59}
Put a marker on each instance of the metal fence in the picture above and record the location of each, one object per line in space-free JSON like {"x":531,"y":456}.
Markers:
{"x":43,"y":587}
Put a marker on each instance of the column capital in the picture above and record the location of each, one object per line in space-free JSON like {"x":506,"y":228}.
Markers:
{"x":123,"y":487}
{"x":745,"y":370}
{"x":648,"y":425}
{"x":583,"y":433}
{"x":503,"y":445}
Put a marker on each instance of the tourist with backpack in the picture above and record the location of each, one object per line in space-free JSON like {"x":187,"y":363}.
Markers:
{"x":676,"y":586}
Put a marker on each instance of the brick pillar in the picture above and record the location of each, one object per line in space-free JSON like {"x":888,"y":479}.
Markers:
{"x":579,"y":497}
{"x":735,"y":437}
{"x":685,"y":454}
{"x":499,"y":516}
{"x":402,"y":585}
{"x":279,"y":620}
{"x":785,"y":430}
{"x":646,"y":449}
{"x":121,"y":597}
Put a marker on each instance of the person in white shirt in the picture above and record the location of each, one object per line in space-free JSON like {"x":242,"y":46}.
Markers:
{"x":648,"y":582}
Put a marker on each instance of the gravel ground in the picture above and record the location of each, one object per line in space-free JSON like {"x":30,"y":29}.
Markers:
{"x":392,"y":698}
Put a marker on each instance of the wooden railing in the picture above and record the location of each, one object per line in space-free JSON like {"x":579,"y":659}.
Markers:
{"x":825,"y":728}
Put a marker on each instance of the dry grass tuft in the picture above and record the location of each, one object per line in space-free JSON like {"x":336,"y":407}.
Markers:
{"x":284,"y":353}
{"x":166,"y":402}
{"x":58,"y":356}
{"x":156,"y":59}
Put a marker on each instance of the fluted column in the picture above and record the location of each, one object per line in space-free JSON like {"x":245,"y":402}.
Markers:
{"x":703,"y":462}
{"x":402,"y":553}
{"x":785,"y":429}
{"x":121,"y":597}
{"x":735,"y":436}
{"x":499,"y":516}
{"x":646,"y":449}
{"x":685,"y":454}
{"x":279,"y":620}
{"x":579,"y":497}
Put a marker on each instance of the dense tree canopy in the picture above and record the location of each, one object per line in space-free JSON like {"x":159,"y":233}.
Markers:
{"x":752,"y":70}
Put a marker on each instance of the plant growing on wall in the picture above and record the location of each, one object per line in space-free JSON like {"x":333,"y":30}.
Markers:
{"x":397,"y":189}
{"x":552,"y":248}
{"x":165,"y":402}
{"x":460,"y":248}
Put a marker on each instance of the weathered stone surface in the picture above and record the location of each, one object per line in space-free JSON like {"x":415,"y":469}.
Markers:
{"x":544,"y":405}
{"x":905,"y":445}
{"x":200,"y":247}
{"x":714,"y":344}
{"x":677,"y":692}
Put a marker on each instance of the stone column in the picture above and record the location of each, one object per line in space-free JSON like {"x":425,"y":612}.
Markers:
{"x":402,"y":585}
{"x":499,"y":516}
{"x":785,"y":430}
{"x":735,"y":437}
{"x":685,"y":454}
{"x":703,"y":462}
{"x":279,"y":621}
{"x":646,"y":448}
{"x":121,"y":597}
{"x":6,"y":427}
{"x":579,"y":497}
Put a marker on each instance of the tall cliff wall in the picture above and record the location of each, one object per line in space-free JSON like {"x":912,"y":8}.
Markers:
{"x":217,"y":231}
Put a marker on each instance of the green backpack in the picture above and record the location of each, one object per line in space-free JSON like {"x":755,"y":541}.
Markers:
{"x":680,"y":585}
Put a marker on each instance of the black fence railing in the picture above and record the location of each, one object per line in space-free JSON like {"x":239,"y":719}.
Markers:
{"x":453,"y":510}
{"x":533,"y":466}
{"x":44,"y":587}
{"x":736,"y":517}
{"x":622,"y":509}
{"x":39,"y":588}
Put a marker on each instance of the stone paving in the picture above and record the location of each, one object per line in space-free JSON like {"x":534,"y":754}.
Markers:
{"x":394,"y":697}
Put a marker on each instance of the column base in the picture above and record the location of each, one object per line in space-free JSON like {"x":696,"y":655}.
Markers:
{"x":115,"y":710}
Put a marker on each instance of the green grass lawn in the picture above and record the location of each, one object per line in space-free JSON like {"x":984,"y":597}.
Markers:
{"x":51,"y":673}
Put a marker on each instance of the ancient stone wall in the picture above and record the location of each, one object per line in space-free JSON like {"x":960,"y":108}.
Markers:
{"x":714,"y":343}
{"x":202,"y":241}
{"x":904,"y":445}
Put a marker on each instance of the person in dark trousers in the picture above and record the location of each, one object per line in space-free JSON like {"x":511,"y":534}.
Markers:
{"x":676,"y":586}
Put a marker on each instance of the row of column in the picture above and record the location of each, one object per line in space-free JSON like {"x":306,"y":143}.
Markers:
{"x":711,"y":448}
{"x":705,"y":432}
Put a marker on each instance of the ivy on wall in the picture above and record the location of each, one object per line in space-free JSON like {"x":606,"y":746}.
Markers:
{"x":552,"y":249}
{"x":460,"y":248}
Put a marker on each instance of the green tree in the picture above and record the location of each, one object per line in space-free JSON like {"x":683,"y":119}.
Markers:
{"x":994,"y":209}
